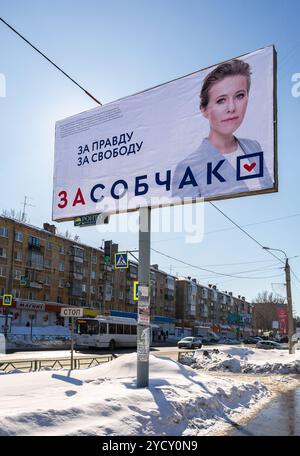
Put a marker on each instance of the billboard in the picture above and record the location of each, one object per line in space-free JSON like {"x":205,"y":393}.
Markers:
{"x":208,"y":135}
{"x":282,"y":315}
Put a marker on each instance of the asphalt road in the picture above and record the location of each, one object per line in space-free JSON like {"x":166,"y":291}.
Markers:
{"x":58,"y":354}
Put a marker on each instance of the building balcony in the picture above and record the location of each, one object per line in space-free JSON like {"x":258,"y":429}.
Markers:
{"x":33,"y":265}
{"x":36,"y":285}
{"x":77,"y":275}
{"x":77,"y":259}
{"x":34,"y":246}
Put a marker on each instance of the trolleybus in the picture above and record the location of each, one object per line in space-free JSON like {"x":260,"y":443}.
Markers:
{"x":105,"y":332}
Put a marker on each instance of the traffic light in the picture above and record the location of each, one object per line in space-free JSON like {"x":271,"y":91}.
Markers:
{"x":107,"y":251}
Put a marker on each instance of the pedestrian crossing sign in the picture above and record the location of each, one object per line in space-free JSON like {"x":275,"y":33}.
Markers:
{"x":7,"y":299}
{"x":121,"y":260}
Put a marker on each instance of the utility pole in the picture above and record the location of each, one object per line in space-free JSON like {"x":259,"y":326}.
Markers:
{"x":289,"y":303}
{"x":289,"y":298}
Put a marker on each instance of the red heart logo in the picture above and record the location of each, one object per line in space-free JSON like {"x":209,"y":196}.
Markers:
{"x":250,"y":167}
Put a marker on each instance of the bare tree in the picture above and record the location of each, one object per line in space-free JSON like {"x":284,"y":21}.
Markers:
{"x":68,"y":234}
{"x":264,"y":310}
{"x":15,"y":215}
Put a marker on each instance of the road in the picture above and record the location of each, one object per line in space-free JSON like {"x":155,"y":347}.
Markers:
{"x":171,"y":351}
{"x":58,"y":354}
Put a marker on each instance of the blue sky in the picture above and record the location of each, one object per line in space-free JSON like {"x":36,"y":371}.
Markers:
{"x":118,"y":48}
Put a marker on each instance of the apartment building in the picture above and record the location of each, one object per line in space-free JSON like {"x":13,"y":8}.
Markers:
{"x":162,"y":300}
{"x":45,"y":271}
{"x":199,"y":305}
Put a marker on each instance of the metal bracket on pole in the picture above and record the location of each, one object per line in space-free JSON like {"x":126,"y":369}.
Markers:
{"x":143,"y":326}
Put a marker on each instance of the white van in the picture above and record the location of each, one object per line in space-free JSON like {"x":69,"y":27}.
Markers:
{"x":204,"y":332}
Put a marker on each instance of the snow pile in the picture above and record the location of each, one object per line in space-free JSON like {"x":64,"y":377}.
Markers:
{"x":104,"y":400}
{"x":42,"y":336}
{"x":53,"y":331}
{"x":244,"y":360}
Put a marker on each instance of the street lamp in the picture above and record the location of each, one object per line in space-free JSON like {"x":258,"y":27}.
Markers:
{"x":289,"y":297}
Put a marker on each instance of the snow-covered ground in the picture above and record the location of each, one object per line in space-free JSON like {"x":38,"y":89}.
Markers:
{"x":42,"y":337}
{"x":50,"y":331}
{"x":244,"y":360}
{"x":104,"y":400}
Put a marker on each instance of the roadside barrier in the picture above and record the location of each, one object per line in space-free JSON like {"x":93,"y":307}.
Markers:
{"x":33,"y":365}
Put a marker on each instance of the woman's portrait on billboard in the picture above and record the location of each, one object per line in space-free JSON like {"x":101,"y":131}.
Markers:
{"x":234,"y":163}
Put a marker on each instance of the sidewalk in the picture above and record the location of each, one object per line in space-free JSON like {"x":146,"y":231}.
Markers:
{"x":167,"y":343}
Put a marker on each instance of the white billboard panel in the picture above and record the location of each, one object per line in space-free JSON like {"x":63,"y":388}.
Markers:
{"x":210,"y":134}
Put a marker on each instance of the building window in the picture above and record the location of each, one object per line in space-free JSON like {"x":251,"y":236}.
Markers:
{"x":34,"y":241}
{"x":2,"y":271}
{"x":47,"y":280}
{"x":61,"y":283}
{"x":84,"y":288}
{"x":78,"y":252}
{"x":62,"y":249}
{"x":94,"y":259}
{"x":93,"y":274}
{"x":3,"y":252}
{"x":16,"y":293}
{"x":59,"y":299}
{"x":49,"y":245}
{"x":17,"y":274}
{"x":48,"y":263}
{"x":19,"y":236}
{"x":3,"y":231}
{"x":18,"y":255}
{"x":93,"y":289}
{"x":36,"y":260}
{"x":61,"y":266}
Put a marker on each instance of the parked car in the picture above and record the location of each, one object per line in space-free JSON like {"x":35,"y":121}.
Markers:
{"x":296,"y":337}
{"x":208,"y":340}
{"x":284,"y":340}
{"x":252,"y":340}
{"x":229,"y":341}
{"x":190,"y":342}
{"x":269,"y":344}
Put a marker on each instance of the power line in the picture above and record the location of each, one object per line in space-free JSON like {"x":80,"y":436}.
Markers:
{"x":235,"y":264}
{"x":294,"y":275}
{"x":233,"y":228}
{"x":204,"y":269}
{"x":256,"y":223}
{"x":270,"y":268}
{"x":256,"y":278}
{"x":50,"y":61}
{"x":253,"y":239}
{"x":245,"y":232}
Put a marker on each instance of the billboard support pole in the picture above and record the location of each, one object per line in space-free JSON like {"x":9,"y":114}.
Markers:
{"x":72,"y":343}
{"x":143,"y":330}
